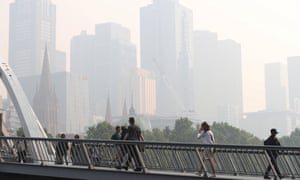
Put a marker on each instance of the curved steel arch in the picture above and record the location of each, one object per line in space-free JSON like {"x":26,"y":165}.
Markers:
{"x":30,"y":123}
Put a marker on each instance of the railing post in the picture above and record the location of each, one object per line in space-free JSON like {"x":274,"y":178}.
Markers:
{"x":141,"y":159}
{"x":91,"y":166}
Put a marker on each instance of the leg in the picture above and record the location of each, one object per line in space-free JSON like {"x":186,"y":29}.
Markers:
{"x":19,"y":156}
{"x":212,"y":163}
{"x":66,"y":158}
{"x":23,"y":156}
{"x":274,"y":162}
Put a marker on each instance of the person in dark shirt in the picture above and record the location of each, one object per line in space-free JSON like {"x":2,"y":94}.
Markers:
{"x":116,"y":135}
{"x":124,"y":130}
{"x":273,"y":154}
{"x":62,"y":151}
{"x":134,"y":134}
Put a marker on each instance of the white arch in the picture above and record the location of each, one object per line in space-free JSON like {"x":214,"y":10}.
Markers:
{"x":30,"y":123}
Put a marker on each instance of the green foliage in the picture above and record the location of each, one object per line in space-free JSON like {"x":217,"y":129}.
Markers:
{"x":292,"y":140}
{"x":20,"y":132}
{"x":102,"y":130}
{"x":226,"y":134}
{"x":155,"y":135}
{"x":184,"y":131}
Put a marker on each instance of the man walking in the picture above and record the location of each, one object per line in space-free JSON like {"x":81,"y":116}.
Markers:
{"x":134,"y":134}
{"x":273,"y":154}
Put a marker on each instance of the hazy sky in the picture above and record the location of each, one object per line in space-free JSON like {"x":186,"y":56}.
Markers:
{"x":268,"y":30}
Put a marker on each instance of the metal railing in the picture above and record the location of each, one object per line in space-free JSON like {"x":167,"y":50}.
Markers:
{"x":231,"y":160}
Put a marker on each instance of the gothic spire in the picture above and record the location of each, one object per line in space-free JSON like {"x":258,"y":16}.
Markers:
{"x":108,"y":116}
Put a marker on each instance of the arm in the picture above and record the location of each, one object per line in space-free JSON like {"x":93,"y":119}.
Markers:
{"x":200,"y":134}
{"x":142,"y":137}
{"x":126,"y":136}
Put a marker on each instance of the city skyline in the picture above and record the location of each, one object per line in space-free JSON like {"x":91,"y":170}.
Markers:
{"x":261,"y":42}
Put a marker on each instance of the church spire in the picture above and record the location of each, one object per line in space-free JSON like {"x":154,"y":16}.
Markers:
{"x":45,"y":99}
{"x":132,"y":110}
{"x":45,"y":81}
{"x":124,"y":113}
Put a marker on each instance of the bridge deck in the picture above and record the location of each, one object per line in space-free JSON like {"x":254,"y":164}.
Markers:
{"x":156,"y":160}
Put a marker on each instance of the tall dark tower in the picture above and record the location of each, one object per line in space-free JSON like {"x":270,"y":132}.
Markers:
{"x":45,"y":99}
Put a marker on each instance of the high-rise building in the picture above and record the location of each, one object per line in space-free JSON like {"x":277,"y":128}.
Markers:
{"x":205,"y":74}
{"x":294,"y":83}
{"x":145,"y":91}
{"x":230,"y":100}
{"x":166,"y":50}
{"x":217,"y":78}
{"x":108,"y":60}
{"x":276,"y":87}
{"x":59,"y":63}
{"x":32,"y":25}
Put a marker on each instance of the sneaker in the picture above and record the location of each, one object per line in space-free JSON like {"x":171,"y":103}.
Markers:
{"x":138,"y":169}
{"x":281,"y":177}
{"x":118,"y":167}
{"x":267,"y":177}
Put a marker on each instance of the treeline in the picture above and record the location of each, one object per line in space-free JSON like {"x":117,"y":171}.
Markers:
{"x":184,"y":131}
{"x":292,"y":140}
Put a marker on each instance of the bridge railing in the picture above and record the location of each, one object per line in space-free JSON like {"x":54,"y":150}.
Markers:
{"x":184,"y":158}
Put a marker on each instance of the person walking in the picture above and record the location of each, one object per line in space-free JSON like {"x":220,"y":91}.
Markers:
{"x":62,"y":150}
{"x":21,"y":149}
{"x":134,"y":134}
{"x":208,"y":138}
{"x":273,"y":154}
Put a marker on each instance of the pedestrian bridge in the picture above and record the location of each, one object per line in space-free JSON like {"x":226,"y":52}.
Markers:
{"x":98,"y":159}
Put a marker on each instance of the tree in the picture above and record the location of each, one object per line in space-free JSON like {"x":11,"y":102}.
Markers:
{"x":183,"y":131}
{"x":20,"y":132}
{"x":292,"y":140}
{"x":226,"y":134}
{"x":155,"y":135}
{"x":102,"y":130}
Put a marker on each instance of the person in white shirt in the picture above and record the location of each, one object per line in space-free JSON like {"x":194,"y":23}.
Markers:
{"x":208,"y":138}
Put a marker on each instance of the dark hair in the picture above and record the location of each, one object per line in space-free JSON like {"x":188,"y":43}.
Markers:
{"x":131,"y":120}
{"x":62,"y":135}
{"x":117,"y":127}
{"x":205,"y":126}
{"x":76,"y":136}
{"x":123,"y":128}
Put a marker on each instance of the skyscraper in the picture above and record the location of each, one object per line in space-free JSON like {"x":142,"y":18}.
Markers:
{"x":218,"y":78}
{"x":276,"y":87}
{"x":166,"y":45}
{"x":293,"y":81}
{"x":205,"y":74}
{"x":108,"y":60}
{"x":32,"y":25}
{"x":229,"y":75}
{"x":145,"y":92}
